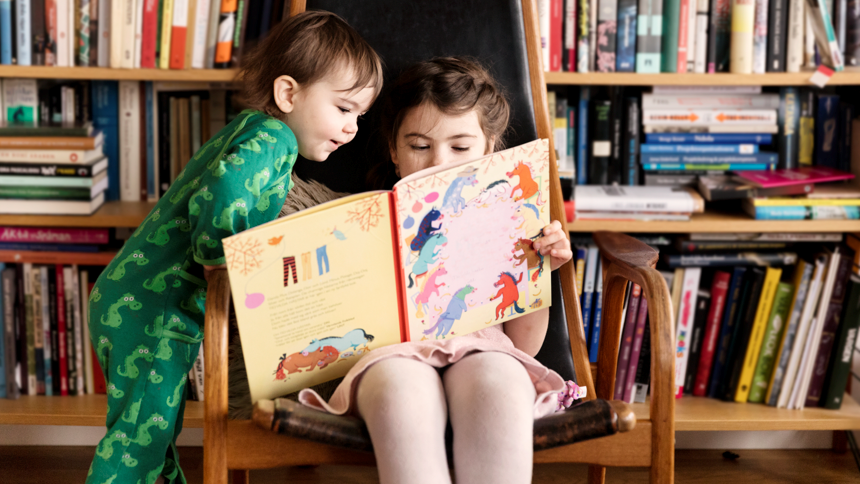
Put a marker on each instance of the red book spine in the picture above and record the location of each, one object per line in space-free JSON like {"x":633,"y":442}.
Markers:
{"x":570,"y":35}
{"x":149,"y":33}
{"x":719,"y":289}
{"x":177,"y":47}
{"x":627,"y":342}
{"x":683,"y":25}
{"x":555,"y":21}
{"x":61,"y":332}
{"x":638,"y":337}
{"x":53,"y":236}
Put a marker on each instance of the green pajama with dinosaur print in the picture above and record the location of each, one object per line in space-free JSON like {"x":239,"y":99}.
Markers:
{"x":146,"y":309}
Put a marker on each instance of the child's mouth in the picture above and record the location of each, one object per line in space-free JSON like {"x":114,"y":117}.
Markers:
{"x":334,"y":143}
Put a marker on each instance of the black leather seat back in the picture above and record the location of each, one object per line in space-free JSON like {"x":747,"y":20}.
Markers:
{"x":405,"y":32}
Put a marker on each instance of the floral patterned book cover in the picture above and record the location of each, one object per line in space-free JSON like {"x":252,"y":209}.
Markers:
{"x":446,"y":253}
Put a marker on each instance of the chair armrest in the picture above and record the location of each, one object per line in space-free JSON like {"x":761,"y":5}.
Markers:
{"x":215,"y":372}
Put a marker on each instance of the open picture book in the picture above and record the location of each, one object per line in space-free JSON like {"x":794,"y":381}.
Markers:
{"x":447,"y":252}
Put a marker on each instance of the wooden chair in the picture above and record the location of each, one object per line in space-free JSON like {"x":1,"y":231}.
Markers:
{"x":505,"y":38}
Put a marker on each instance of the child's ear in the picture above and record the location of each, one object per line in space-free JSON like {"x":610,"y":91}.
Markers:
{"x":285,"y":89}
{"x":393,"y":152}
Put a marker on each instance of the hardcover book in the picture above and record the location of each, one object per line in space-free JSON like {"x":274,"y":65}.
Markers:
{"x":794,"y":176}
{"x":418,"y":260}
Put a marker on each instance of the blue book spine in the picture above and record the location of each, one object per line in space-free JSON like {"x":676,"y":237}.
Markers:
{"x":582,"y":138}
{"x":594,"y":340}
{"x":708,"y":166}
{"x":625,"y":53}
{"x":6,"y":32}
{"x":3,"y":393}
{"x":808,"y":213}
{"x":151,"y":186}
{"x":706,"y":138}
{"x":718,"y":159}
{"x":105,"y":103}
{"x":789,"y":127}
{"x":23,"y":37}
{"x":706,"y":149}
{"x":721,"y":352}
{"x":826,"y":128}
{"x":586,"y":315}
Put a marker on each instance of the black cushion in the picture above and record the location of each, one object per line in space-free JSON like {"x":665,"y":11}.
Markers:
{"x":405,"y":32}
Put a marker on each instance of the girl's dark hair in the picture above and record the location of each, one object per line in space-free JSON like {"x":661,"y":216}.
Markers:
{"x":455,"y":86}
{"x":307,"y":47}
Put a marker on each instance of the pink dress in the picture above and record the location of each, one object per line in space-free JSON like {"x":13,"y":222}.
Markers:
{"x":439,"y":354}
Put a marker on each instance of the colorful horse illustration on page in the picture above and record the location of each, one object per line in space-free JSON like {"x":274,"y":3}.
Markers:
{"x":533,"y":258}
{"x":509,"y":294}
{"x":456,"y":307}
{"x":427,"y":257}
{"x":527,"y":186}
{"x":454,"y":200}
{"x":423,"y":298}
{"x":426,"y":229}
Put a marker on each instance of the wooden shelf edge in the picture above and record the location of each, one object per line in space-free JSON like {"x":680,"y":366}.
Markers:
{"x":106,"y":73}
{"x":80,"y":258}
{"x":111,"y":214}
{"x":84,"y":410}
{"x":848,"y":77}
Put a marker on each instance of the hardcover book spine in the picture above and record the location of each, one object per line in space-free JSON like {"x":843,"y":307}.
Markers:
{"x":700,"y":320}
{"x":32,"y":382}
{"x":79,"y":345}
{"x":104,"y":33}
{"x":226,"y":25}
{"x":597,"y":314}
{"x":179,"y":29}
{"x":846,"y":120}
{"x":588,"y":289}
{"x":719,"y":290}
{"x":756,"y":333}
{"x":826,"y":127}
{"x":37,"y":30}
{"x":582,"y":143}
{"x":582,"y":49}
{"x":796,"y":30}
{"x":630,"y":166}
{"x":6,"y":32}
{"x":715,"y":386}
{"x":701,"y":57}
{"x":62,"y":337}
{"x":669,"y":54}
{"x":555,"y":35}
{"x":838,"y":11}
{"x":129,"y":137}
{"x":46,"y":331}
{"x":601,"y":147}
{"x":50,"y":33}
{"x":543,"y":7}
{"x":617,"y":99}
{"x":776,"y":32}
{"x":691,"y":35}
{"x":94,"y":33}
{"x":721,"y":22}
{"x":789,"y":125}
{"x":201,"y":23}
{"x":760,"y":35}
{"x":743,"y":20}
{"x":839,"y":368}
{"x":806,"y":141}
{"x":625,"y":351}
{"x":648,"y":36}
{"x":776,"y":323}
{"x":83,"y":34}
{"x":23,"y":35}
{"x":627,"y":17}
{"x":10,"y":353}
{"x":852,"y":34}
{"x":686,"y":313}
{"x":149,"y":29}
{"x":607,"y":26}
{"x":166,"y":33}
{"x":127,"y":31}
{"x":683,"y":34}
{"x":635,"y":355}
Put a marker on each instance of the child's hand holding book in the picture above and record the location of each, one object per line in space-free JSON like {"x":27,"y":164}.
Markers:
{"x":554,"y":243}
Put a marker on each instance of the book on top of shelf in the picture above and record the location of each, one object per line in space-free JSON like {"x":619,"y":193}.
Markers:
{"x":632,"y":216}
{"x":794,"y":176}
{"x":708,"y":138}
{"x":613,"y":198}
{"x":51,"y":156}
{"x":825,"y":212}
{"x":53,"y":142}
{"x":727,"y":187}
{"x":413,"y":240}
{"x":76,"y":129}
{"x":769,"y":236}
{"x":728,"y":260}
{"x":704,"y":117}
{"x":804,"y":202}
{"x":708,"y":101}
{"x":53,"y":207}
{"x":50,"y":170}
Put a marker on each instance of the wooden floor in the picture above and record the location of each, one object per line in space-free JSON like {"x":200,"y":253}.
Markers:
{"x":20,"y":465}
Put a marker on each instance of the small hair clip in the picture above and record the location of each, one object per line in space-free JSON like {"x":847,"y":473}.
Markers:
{"x":570,"y":394}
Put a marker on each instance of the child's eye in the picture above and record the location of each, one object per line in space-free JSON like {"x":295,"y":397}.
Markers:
{"x":420,"y":147}
{"x":461,"y":148}
{"x":343,"y":110}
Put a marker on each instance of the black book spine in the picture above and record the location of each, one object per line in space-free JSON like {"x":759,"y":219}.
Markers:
{"x":846,"y":119}
{"x":55,"y":334}
{"x":163,"y":142}
{"x":46,"y":170}
{"x":735,"y":299}
{"x":776,"y":33}
{"x":703,"y":303}
{"x":630,"y":145}
{"x":37,"y":30}
{"x":852,"y":34}
{"x":21,"y":332}
{"x":789,"y":127}
{"x":601,"y":143}
{"x":8,"y":292}
{"x":741,"y":336}
{"x":643,"y":368}
{"x":617,"y":100}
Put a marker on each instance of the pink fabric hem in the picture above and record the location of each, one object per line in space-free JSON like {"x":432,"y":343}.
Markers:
{"x":440,"y":354}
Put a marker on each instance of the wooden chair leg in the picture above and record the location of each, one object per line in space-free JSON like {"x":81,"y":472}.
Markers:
{"x":241,"y":476}
{"x":596,"y":474}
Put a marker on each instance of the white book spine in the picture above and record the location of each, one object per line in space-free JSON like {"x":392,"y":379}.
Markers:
{"x":79,"y":342}
{"x":801,"y":337}
{"x":23,"y":36}
{"x":104,"y":44}
{"x":63,"y":40}
{"x":695,"y":117}
{"x":20,"y":97}
{"x":808,"y":39}
{"x":701,"y":37}
{"x":590,"y":270}
{"x":72,"y":35}
{"x":796,"y":30}
{"x":138,"y":32}
{"x":116,"y":14}
{"x":198,"y":374}
{"x":68,"y":104}
{"x":692,"y":13}
{"x":127,"y":31}
{"x":129,"y":140}
{"x":712,"y":128}
{"x":201,"y":25}
{"x":760,"y":37}
{"x":686,"y":313}
{"x":631,"y":199}
{"x":712,"y":101}
{"x":543,"y":23}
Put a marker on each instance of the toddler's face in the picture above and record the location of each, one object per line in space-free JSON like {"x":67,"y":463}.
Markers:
{"x":325,"y":114}
{"x":427,"y":137}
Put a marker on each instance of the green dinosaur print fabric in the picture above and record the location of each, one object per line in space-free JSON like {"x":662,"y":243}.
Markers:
{"x":146,"y":309}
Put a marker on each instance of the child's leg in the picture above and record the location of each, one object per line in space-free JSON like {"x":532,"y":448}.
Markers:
{"x":403,"y":404}
{"x":491,"y":406}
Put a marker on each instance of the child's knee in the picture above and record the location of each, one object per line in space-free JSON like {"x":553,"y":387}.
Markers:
{"x":399,"y":384}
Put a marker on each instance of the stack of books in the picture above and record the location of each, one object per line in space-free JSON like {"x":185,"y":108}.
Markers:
{"x":692,"y":132}
{"x":817,"y":199}
{"x":56,"y":169}
{"x":613,"y":202}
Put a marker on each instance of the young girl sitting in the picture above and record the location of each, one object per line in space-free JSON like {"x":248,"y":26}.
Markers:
{"x":307,"y":83}
{"x":488,"y":383}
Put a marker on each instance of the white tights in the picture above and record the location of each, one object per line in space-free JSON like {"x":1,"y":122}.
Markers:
{"x":490,"y":400}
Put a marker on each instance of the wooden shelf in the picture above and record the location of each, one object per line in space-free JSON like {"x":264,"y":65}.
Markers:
{"x":105,"y":73}
{"x":111,"y":214}
{"x":38,"y":257}
{"x":85,"y":410}
{"x":713,"y":221}
{"x":697,"y":413}
{"x":847,"y":77}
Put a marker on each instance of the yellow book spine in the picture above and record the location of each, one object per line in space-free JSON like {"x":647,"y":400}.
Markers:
{"x":677,"y":284}
{"x":798,"y":278}
{"x":166,"y":27}
{"x":580,"y":274}
{"x":806,"y":202}
{"x":741,"y":52}
{"x":765,"y":303}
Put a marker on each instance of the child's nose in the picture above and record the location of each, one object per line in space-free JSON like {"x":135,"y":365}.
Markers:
{"x":351,"y":127}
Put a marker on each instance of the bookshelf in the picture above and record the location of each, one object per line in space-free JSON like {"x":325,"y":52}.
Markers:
{"x":846,"y":78}
{"x":109,"y":74}
{"x":719,"y":222}
{"x":111,"y":214}
{"x":83,"y":410}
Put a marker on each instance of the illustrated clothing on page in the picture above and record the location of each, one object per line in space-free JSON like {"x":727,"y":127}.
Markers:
{"x":146,"y":309}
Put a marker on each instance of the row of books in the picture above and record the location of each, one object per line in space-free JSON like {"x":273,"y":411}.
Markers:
{"x":46,"y":347}
{"x":705,"y":36}
{"x":90,"y":142}
{"x":775,"y":330}
{"x":693,"y":131}
{"x":174,"y":34}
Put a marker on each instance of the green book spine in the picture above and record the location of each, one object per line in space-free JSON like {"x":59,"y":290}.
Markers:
{"x":671,"y":25}
{"x":45,"y":193}
{"x":839,"y":368}
{"x":772,"y":336}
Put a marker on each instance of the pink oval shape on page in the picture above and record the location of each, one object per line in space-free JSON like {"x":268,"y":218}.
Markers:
{"x":253,"y":301}
{"x":432,"y":197}
{"x":417,"y":207}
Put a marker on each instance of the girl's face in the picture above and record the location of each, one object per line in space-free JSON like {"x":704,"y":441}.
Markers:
{"x":427,"y":137}
{"x":324,"y":115}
